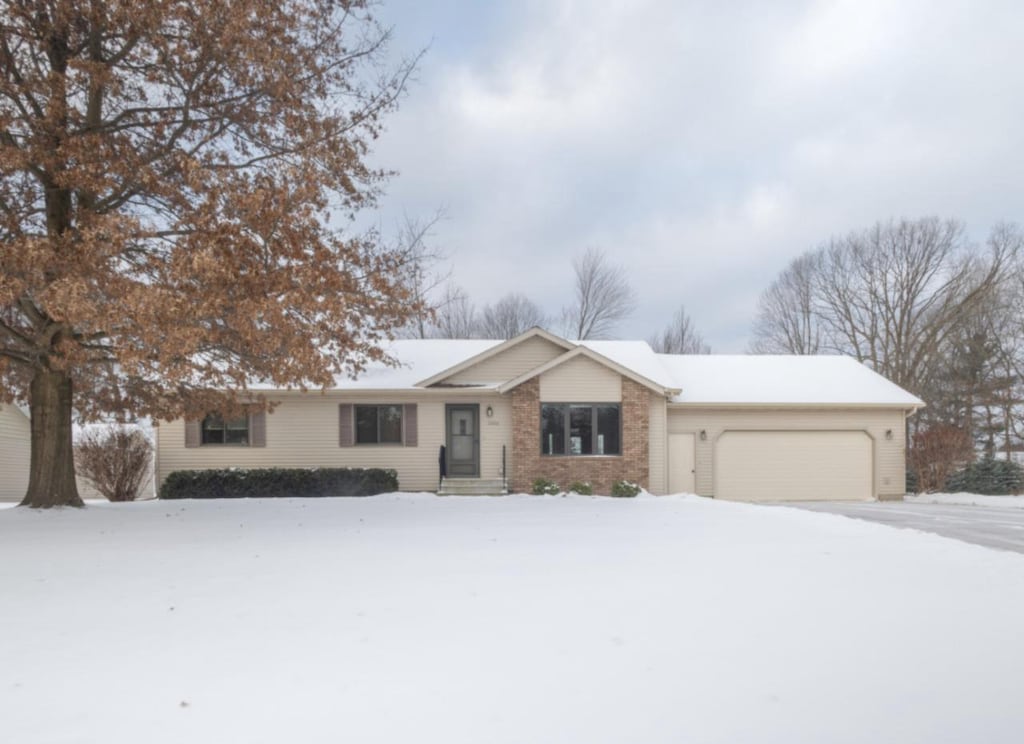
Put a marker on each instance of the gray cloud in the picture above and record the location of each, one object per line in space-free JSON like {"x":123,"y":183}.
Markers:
{"x":701,"y":144}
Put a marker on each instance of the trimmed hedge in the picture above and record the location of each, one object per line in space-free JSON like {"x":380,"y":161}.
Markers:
{"x":277,"y":483}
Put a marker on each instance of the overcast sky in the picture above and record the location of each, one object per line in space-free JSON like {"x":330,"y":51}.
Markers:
{"x":700,"y":144}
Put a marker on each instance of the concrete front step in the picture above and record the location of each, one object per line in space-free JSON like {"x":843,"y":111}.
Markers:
{"x":472,"y":487}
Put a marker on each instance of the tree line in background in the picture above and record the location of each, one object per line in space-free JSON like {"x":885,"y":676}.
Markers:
{"x":602,"y":298}
{"x":936,"y":313}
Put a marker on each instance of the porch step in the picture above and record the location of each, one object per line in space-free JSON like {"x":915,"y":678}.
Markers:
{"x":472,"y":487}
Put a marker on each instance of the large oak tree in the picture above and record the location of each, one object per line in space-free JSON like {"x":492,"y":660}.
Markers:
{"x":173,"y":180}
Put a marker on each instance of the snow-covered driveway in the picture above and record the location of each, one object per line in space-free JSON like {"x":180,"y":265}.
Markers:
{"x":991,"y":526}
{"x":420,"y":619}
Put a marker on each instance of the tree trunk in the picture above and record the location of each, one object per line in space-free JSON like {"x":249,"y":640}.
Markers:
{"x":52,"y":470}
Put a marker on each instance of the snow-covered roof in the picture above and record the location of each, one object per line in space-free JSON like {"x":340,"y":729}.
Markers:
{"x":637,"y":356}
{"x":757,"y":379}
{"x":726,"y":379}
{"x":418,"y":359}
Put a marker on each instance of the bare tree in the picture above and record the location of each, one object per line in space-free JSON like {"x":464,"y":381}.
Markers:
{"x":1014,"y":342}
{"x":680,"y":337}
{"x":919,"y":303}
{"x":786,"y":322}
{"x":511,"y":315}
{"x":603,"y":297}
{"x":891,"y":296}
{"x":455,"y":315}
{"x":420,"y":265}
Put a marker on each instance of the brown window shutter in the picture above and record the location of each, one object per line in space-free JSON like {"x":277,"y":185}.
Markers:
{"x":345,"y":433}
{"x":193,"y":435}
{"x":411,"y":425}
{"x":258,"y":429}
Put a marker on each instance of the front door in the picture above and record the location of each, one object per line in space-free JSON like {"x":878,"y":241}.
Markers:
{"x":463,"y":441}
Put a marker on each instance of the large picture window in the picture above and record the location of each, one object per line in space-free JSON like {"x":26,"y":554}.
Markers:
{"x":217,"y":430}
{"x":378,"y":424}
{"x":580,"y":429}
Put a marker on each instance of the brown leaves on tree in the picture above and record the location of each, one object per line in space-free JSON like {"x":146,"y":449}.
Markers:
{"x":175,"y":180}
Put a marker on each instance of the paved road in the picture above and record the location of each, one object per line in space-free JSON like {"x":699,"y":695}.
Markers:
{"x":993,"y":527}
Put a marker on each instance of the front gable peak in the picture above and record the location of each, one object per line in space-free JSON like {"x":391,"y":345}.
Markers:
{"x":502,"y":361}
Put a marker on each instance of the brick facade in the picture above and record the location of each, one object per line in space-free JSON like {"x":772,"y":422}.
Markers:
{"x":601,"y":472}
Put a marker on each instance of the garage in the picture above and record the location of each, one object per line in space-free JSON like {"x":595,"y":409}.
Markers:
{"x":794,"y":466}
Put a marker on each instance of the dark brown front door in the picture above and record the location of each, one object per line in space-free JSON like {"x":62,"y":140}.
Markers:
{"x":463,"y":441}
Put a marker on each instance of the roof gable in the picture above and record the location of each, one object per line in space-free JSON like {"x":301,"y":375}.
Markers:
{"x":585,"y":351}
{"x":462,"y":373}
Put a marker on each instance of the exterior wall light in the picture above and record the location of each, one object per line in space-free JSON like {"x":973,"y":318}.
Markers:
{"x":888,"y":434}
{"x":703,"y":435}
{"x":490,"y":411}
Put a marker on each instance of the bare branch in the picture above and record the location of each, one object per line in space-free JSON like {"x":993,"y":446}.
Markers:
{"x":603,"y":297}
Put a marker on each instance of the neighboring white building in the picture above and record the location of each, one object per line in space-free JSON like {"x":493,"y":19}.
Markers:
{"x":15,"y":446}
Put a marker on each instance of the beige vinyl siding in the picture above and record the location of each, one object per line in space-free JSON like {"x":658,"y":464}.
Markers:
{"x":581,"y":380}
{"x":658,"y":444}
{"x":15,"y":449}
{"x":888,"y":454}
{"x":302,"y":432}
{"x":509,"y":364}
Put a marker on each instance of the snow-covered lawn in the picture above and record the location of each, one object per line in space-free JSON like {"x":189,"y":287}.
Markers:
{"x":967,"y":499}
{"x":412,"y":618}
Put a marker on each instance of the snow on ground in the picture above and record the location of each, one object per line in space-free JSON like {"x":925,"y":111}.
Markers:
{"x":413,"y":618}
{"x":967,"y":499}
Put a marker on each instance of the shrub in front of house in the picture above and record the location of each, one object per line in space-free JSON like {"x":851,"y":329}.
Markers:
{"x":625,"y":489}
{"x":988,"y":476}
{"x":544,"y":486}
{"x":581,"y":487}
{"x":237,"y":483}
{"x":115,"y":460}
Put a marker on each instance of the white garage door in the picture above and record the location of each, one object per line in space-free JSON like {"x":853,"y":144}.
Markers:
{"x":793,"y":466}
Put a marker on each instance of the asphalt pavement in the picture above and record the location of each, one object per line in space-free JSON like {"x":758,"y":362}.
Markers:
{"x":993,"y":527}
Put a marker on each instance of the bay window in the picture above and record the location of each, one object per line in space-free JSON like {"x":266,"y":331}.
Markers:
{"x":580,"y":429}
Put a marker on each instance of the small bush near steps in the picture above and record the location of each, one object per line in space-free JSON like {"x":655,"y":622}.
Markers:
{"x":582,"y":488}
{"x":545,"y":487}
{"x":625,"y":489}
